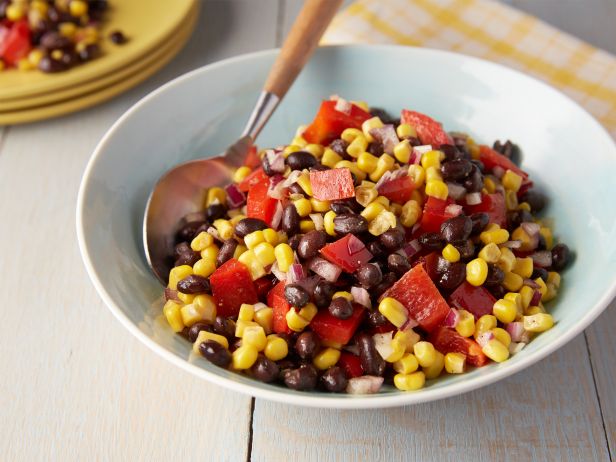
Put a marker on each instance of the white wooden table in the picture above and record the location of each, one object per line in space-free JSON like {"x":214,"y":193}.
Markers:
{"x":75,"y":385}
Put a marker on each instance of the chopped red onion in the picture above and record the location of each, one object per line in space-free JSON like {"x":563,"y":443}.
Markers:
{"x":317,"y":219}
{"x":412,"y":248}
{"x":543,"y":258}
{"x":275,"y":160}
{"x":516,"y":347}
{"x":354,"y":245}
{"x":383,"y":179}
{"x":515,"y":330}
{"x":383,"y":344}
{"x":366,"y":384}
{"x":452,"y":318}
{"x":342,"y":105}
{"x":512,"y":244}
{"x":276,"y":189}
{"x":280,"y":275}
{"x":292,"y":178}
{"x":214,"y":233}
{"x":532,"y":229}
{"x":456,"y":191}
{"x":325,"y":269}
{"x":453,"y":210}
{"x":536,"y":298}
{"x":171,"y":294}
{"x":532,"y":284}
{"x":277,"y":218}
{"x":409,"y":325}
{"x":473,"y":198}
{"x":498,"y":171}
{"x":235,"y":197}
{"x":296,"y":273}
{"x":361,"y":296}
{"x":484,"y":338}
{"x":259,"y":306}
{"x":415,"y":227}
{"x":195,"y":216}
{"x":387,"y":136}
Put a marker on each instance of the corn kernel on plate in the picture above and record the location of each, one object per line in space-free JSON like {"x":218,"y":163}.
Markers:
{"x":425,"y":345}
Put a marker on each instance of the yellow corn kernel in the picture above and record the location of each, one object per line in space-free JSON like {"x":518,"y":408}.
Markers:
{"x":497,"y":236}
{"x":177,"y":274}
{"x":172,"y":313}
{"x":496,"y":351}
{"x":402,"y":151}
{"x":476,"y":271}
{"x":35,"y":56}
{"x":15,"y":12}
{"x":451,"y":254}
{"x":276,"y":348}
{"x":372,"y":210}
{"x":235,"y":216}
{"x":349,"y":134}
{"x":210,"y":253}
{"x":425,"y":353}
{"x":224,"y":228}
{"x":517,"y":299}
{"x":309,"y":311}
{"x":491,"y":227}
{"x":362,"y":105}
{"x":466,"y":324}
{"x":523,"y":267}
{"x":265,"y":253}
{"x":407,"y":364}
{"x":265,"y":318}
{"x":383,"y":201}
{"x":368,"y":125}
{"x":505,"y":310}
{"x":513,"y":282}
{"x":411,"y":213}
{"x":511,"y":200}
{"x":295,"y":322}
{"x":254,"y":239}
{"x":485,"y":323}
{"x":271,"y":236}
{"x":306,"y":226}
{"x":502,"y":336}
{"x":511,"y":181}
{"x":365,"y":194}
{"x":438,"y":189}
{"x":315,"y":149}
{"x":531,"y":310}
{"x":326,"y":358}
{"x":299,"y":142}
{"x":216,"y":195}
{"x":394,"y":311}
{"x":202,"y":241}
{"x":78,"y":8}
{"x":255,"y":336}
{"x":396,"y":209}
{"x":554,"y":279}
{"x":526,"y":293}
{"x":303,"y":207}
{"x":547,"y":235}
{"x":433,"y":173}
{"x":24,"y":64}
{"x":304,"y":181}
{"x":489,"y":185}
{"x":418,"y":174}
{"x":246,"y":313}
{"x":241,"y":174}
{"x":381,"y":223}
{"x":366,"y":162}
{"x":291,"y":148}
{"x":506,"y":260}
{"x":543,"y":288}
{"x":249,"y":259}
{"x":186,"y":298}
{"x":384,"y":164}
{"x":490,"y":253}
{"x":431,"y":159}
{"x":40,"y":6}
{"x":284,"y":257}
{"x":328,"y":223}
{"x":343,"y":294}
{"x":406,"y":131}
{"x":239,"y":250}
{"x":437,"y":366}
{"x":241,"y":325}
{"x":204,"y":336}
{"x":539,"y":322}
{"x":330,"y":158}
{"x":527,"y":243}
{"x":244,"y":357}
{"x":204,"y":267}
{"x":206,"y":305}
{"x":524,"y":206}
{"x":407,"y":338}
{"x":454,"y":363}
{"x":410,"y":382}
{"x":319,"y":206}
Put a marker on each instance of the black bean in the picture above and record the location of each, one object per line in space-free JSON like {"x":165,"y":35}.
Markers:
{"x":339,"y":146}
{"x":267,"y":168}
{"x":49,"y":65}
{"x":334,"y":379}
{"x":185,"y":255}
{"x":295,"y":188}
{"x":311,"y":243}
{"x":3,"y":5}
{"x":456,"y":170}
{"x":517,"y":217}
{"x":265,"y":370}
{"x":376,"y":248}
{"x":560,"y":257}
{"x":375,"y":148}
{"x":303,"y":378}
{"x":478,"y":164}
{"x":431,"y":241}
{"x":340,"y":308}
{"x":69,"y":58}
{"x":474,"y":181}
{"x":542,"y":244}
{"x":388,"y":280}
{"x":536,"y":200}
{"x":382,"y":114}
{"x":290,"y":219}
{"x":300,"y":160}
{"x":480,"y":221}
{"x":194,"y":284}
{"x":466,"y":249}
{"x":457,"y":229}
{"x":451,"y":152}
{"x":294,"y":241}
{"x":371,"y":360}
{"x":319,"y":168}
{"x":341,"y":207}
{"x":453,"y":275}
{"x":194,"y":330}
{"x":369,"y":275}
{"x":540,"y":273}
{"x":117,"y":37}
{"x":398,"y":264}
{"x":296,"y":295}
{"x":350,"y":223}
{"x":215,"y":211}
{"x":509,"y":150}
{"x":54,"y":41}
{"x":215,"y":353}
{"x":249,"y":225}
{"x":495,"y":275}
{"x":392,"y":239}
{"x":226,"y":251}
{"x":323,"y":293}
{"x":89,"y":52}
{"x":497,"y":290}
{"x":224,"y":326}
{"x":376,"y":319}
{"x":306,"y":345}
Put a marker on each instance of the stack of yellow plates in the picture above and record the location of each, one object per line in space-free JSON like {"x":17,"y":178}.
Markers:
{"x":156,"y":30}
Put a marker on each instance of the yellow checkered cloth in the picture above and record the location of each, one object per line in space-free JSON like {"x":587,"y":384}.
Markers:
{"x":493,"y":31}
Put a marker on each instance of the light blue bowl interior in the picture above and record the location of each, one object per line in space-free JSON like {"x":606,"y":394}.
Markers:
{"x":568,"y":155}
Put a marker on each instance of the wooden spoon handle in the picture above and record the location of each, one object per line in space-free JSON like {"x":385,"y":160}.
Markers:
{"x":301,"y":42}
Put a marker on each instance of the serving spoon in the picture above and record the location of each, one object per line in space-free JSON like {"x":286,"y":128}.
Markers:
{"x":181,"y":190}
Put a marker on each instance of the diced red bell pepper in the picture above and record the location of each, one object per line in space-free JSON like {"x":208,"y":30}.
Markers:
{"x":256,"y":177}
{"x":263,"y":286}
{"x":398,"y":190}
{"x":15,"y":44}
{"x":259,"y":204}
{"x":329,"y":123}
{"x":333,"y":184}
{"x":491,"y":158}
{"x":349,"y":253}
{"x":476,"y":300}
{"x":231,"y":286}
{"x":423,"y":301}
{"x":448,"y":340}
{"x":332,"y":329}
{"x":493,"y":205}
{"x":252,"y":159}
{"x":350,"y":364}
{"x":429,"y":131}
{"x":277,"y":301}
{"x":434,"y":214}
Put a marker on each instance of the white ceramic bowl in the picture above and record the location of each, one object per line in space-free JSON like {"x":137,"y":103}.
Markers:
{"x":567,"y":153}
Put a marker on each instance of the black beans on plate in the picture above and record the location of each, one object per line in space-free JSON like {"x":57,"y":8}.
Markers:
{"x":310,"y":244}
{"x":215,"y":353}
{"x":341,"y":308}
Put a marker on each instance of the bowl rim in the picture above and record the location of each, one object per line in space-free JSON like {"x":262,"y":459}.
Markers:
{"x":323,"y":400}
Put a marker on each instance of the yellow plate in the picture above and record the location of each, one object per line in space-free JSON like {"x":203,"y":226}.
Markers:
{"x":146,"y":24}
{"x":91,"y":86}
{"x":93,"y":98}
